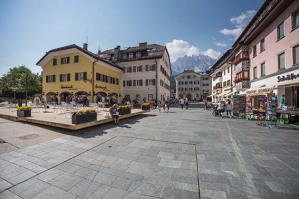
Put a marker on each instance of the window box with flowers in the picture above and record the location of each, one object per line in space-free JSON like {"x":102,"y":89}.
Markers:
{"x":123,"y":110}
{"x":83,"y":116}
{"x":241,"y":79}
{"x":24,"y":111}
{"x":146,"y":106}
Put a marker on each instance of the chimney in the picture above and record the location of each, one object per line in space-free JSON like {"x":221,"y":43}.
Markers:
{"x":143,"y":45}
{"x":116,"y":52}
{"x":85,"y":46}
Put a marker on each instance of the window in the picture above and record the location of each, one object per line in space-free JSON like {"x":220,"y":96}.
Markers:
{"x":81,"y":76}
{"x":152,"y":67}
{"x":139,"y":83}
{"x":254,"y":72}
{"x":65,"y":77}
{"x":76,"y":59}
{"x":150,"y":82}
{"x":124,"y":83}
{"x":281,"y":61}
{"x":228,"y":83}
{"x":188,"y":77}
{"x":129,"y":69}
{"x":223,"y":72}
{"x":50,"y":78}
{"x":263,"y":45}
{"x":124,"y":56}
{"x":131,"y":56}
{"x":139,"y":68}
{"x":296,"y":54}
{"x":54,"y":62}
{"x":263,"y":69}
{"x":254,"y":51}
{"x":138,"y":54}
{"x":280,"y":31}
{"x":129,"y":83}
{"x":224,"y":84}
{"x":227,"y":72}
{"x":295,"y":19}
{"x":65,"y":60}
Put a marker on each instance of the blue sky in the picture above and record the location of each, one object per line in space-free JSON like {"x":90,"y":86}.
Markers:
{"x":30,"y":28}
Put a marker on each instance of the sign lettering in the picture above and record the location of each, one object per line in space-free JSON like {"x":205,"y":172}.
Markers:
{"x":289,"y":77}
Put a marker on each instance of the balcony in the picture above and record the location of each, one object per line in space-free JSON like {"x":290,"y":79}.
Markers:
{"x":240,"y":79}
{"x":218,"y":85}
{"x":238,"y":59}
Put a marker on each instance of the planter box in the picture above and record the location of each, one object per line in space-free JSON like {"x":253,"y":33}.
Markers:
{"x":79,"y":119}
{"x":146,"y":108}
{"x":25,"y":113}
{"x":124,"y":111}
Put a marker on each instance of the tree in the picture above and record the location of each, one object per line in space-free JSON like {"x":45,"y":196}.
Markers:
{"x":20,"y":79}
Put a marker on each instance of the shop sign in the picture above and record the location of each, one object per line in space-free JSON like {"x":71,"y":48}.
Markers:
{"x":259,"y":91}
{"x":104,"y":88}
{"x":289,"y":77}
{"x":62,"y":86}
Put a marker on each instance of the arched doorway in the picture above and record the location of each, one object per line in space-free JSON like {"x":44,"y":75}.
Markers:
{"x":181,"y":96}
{"x":51,"y":97}
{"x":100,"y":95}
{"x":113,"y":98}
{"x":65,"y":97}
{"x":189,"y":96}
{"x":80,"y":96}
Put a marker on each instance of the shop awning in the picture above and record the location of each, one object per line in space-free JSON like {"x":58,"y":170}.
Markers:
{"x":230,"y":93}
{"x":259,"y":91}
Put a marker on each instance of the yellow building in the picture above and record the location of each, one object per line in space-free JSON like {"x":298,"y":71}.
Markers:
{"x":72,"y":72}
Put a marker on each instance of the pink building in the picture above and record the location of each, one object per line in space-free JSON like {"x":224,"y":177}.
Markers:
{"x":266,"y":55}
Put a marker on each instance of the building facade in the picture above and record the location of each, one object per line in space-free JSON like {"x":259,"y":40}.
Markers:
{"x":192,"y":85}
{"x":265,"y":57}
{"x":72,"y":71}
{"x":222,"y":85}
{"x":146,"y":71}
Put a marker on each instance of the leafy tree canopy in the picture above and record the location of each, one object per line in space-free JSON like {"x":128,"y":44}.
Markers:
{"x":20,"y":79}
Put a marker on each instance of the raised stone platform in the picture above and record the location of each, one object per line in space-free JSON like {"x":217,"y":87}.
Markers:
{"x":60,"y":118}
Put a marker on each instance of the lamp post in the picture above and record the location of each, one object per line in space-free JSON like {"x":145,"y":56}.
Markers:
{"x":14,"y":94}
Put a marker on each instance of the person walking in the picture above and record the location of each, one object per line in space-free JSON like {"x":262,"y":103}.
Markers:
{"x":186,"y":103}
{"x":206,"y":105}
{"x":229,"y":109}
{"x":182,"y":103}
{"x":167,"y":106}
{"x":220,"y":109}
{"x":159,"y":105}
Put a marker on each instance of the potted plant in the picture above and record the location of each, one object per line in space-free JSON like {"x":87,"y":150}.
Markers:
{"x":82,"y":116}
{"x":24,"y":111}
{"x":146,"y":106}
{"x":123,"y":110}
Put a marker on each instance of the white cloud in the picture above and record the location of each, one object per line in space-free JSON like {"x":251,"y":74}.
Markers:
{"x":212,"y":53}
{"x":221,"y":44}
{"x":233,"y":32}
{"x":180,"y":48}
{"x":240,"y":22}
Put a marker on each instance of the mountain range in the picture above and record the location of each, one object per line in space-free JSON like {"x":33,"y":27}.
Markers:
{"x":198,"y":63}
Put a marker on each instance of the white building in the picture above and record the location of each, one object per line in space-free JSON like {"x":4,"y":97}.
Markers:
{"x":192,"y":85}
{"x":146,"y":70}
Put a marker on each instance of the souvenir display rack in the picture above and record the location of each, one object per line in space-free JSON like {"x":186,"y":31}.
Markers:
{"x":271,"y":111}
{"x":262,"y":110}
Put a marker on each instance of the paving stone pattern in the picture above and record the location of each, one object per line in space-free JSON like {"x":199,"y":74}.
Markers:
{"x":181,"y":154}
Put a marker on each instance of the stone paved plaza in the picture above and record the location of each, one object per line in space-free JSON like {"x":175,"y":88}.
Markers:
{"x":181,"y":154}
